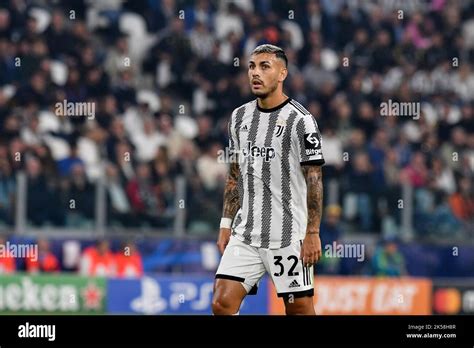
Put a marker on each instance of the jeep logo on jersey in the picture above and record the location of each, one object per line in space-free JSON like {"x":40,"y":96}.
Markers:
{"x":266,"y":152}
{"x":311,"y":144}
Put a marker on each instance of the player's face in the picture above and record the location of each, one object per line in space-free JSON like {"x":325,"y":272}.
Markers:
{"x":265,"y":72}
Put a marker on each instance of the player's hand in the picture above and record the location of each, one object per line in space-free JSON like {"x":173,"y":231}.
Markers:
{"x":311,"y":249}
{"x":223,"y":240}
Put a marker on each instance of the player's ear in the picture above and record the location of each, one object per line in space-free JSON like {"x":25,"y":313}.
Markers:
{"x":283,"y":74}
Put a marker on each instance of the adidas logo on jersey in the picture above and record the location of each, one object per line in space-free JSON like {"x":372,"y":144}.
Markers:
{"x":294,"y":284}
{"x":244,"y":128}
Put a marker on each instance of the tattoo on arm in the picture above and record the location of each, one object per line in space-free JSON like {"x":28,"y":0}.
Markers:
{"x":231,"y":192}
{"x":314,"y":183}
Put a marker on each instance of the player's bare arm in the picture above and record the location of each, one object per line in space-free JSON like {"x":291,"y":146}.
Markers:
{"x":231,"y":204}
{"x":311,"y":248}
{"x":231,"y":192}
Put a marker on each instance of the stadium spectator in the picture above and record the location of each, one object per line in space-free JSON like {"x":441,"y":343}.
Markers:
{"x":58,"y":37}
{"x":45,"y":261}
{"x":66,"y":164}
{"x":39,"y":205}
{"x":354,"y":145}
{"x":145,"y":197}
{"x":443,"y":177}
{"x":330,"y":232}
{"x":98,"y":261}
{"x":118,"y":59}
{"x":462,"y":201}
{"x":387,"y":260}
{"x":357,"y":201}
{"x":118,"y":205}
{"x":211,"y":172}
{"x":79,"y":197}
{"x":331,"y":225}
{"x":7,"y":192}
{"x":416,"y":173}
{"x":452,"y":151}
{"x":7,"y":262}
{"x":124,"y":160}
{"x":129,"y":261}
{"x":148,"y":141}
{"x":333,"y":147}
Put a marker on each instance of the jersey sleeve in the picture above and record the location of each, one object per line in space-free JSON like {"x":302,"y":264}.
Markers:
{"x":233,"y":143}
{"x":308,"y":141}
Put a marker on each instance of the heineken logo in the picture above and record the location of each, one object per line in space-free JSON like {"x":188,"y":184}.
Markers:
{"x":57,"y":294}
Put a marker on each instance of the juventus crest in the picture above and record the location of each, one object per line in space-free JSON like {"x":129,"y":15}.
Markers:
{"x":280,"y":126}
{"x":279,"y":130}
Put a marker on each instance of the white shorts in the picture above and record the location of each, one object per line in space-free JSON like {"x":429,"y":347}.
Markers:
{"x":247,"y":265}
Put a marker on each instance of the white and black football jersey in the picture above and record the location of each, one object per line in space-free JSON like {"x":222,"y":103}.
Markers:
{"x":270,"y":146}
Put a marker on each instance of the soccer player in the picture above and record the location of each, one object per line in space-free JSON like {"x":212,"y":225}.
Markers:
{"x":273,"y":194}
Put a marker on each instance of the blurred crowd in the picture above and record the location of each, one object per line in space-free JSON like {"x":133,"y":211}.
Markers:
{"x":164,"y":77}
{"x":96,"y":260}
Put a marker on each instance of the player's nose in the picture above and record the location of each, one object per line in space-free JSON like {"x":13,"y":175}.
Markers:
{"x":255,"y":73}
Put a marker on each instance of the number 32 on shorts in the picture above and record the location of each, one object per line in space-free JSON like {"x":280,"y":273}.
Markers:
{"x":293,"y":262}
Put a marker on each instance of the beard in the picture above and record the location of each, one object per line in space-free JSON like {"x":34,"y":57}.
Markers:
{"x":263,"y":94}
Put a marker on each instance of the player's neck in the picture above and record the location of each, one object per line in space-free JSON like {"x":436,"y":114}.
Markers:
{"x":272,"y":101}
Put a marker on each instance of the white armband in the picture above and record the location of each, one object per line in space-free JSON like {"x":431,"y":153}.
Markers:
{"x":226,"y":223}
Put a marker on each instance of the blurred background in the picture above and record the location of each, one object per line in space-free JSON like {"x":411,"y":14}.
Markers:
{"x":123,"y":198}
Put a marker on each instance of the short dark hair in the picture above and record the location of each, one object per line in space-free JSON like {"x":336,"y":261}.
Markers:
{"x":268,"y":48}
